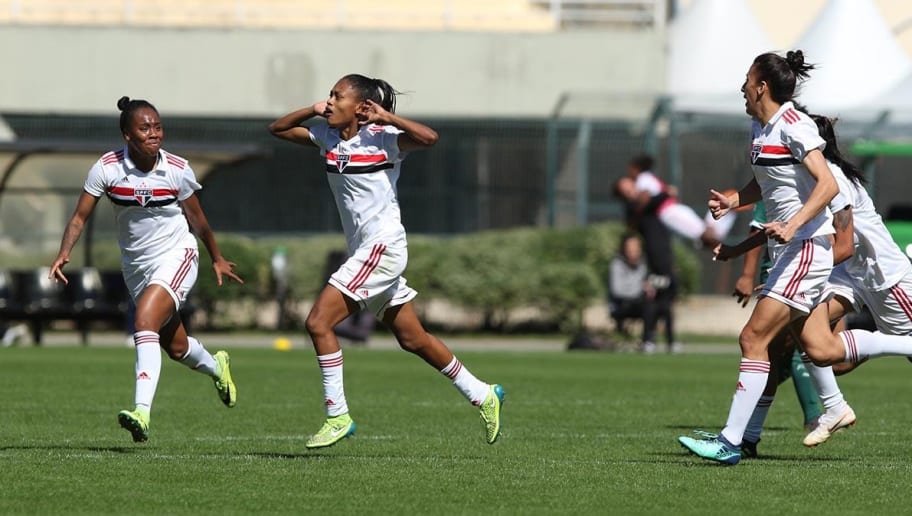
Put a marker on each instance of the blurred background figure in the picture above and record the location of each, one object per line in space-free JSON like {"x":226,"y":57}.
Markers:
{"x":628,"y":291}
{"x":279,"y":267}
{"x":10,"y":335}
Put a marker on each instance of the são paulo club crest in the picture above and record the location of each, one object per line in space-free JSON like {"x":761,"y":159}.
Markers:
{"x":342,"y":160}
{"x":142,"y":194}
{"x":755,"y":152}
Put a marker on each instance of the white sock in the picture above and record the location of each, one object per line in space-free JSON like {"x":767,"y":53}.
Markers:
{"x":752,"y":378}
{"x":472,"y":388}
{"x":148,"y":367}
{"x":861,"y":345}
{"x":199,"y":359}
{"x":755,"y":424}
{"x":825,"y":383}
{"x":333,"y":390}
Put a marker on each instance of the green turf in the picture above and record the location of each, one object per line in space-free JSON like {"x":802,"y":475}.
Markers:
{"x":584,"y":433}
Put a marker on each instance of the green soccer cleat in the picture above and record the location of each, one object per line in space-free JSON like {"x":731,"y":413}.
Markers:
{"x":224,"y":384}
{"x":490,"y":412}
{"x":136,"y":422}
{"x":333,"y":430}
{"x":715,"y":449}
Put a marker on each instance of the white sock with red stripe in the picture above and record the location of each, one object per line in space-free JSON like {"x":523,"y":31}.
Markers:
{"x":860,"y":345}
{"x":825,"y":383}
{"x":752,"y":378}
{"x":333,"y":391}
{"x":148,"y":367}
{"x":472,"y":388}
{"x":755,"y":424}
{"x":199,"y":359}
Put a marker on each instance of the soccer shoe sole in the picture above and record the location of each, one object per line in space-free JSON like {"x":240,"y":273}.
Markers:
{"x":134,"y":426}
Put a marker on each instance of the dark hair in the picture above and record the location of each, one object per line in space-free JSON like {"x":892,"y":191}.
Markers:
{"x":831,"y":151}
{"x":642,"y":162}
{"x":782,"y":74}
{"x":376,"y":90}
{"x":127,"y":107}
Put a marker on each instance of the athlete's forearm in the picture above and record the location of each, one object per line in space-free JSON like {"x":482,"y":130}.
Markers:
{"x":293,"y":119}
{"x":420,"y":133}
{"x":70,"y":237}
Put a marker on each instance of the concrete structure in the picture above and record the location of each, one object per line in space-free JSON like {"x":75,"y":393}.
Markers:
{"x":264,"y":73}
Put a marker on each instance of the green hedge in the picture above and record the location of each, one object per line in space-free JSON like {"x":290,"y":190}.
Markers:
{"x":558,"y":271}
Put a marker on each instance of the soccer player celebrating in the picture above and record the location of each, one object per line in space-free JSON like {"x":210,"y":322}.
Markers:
{"x":794,"y":181}
{"x":154,"y":198}
{"x":363,"y":143}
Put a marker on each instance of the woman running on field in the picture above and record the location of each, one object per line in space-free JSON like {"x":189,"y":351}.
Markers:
{"x":154,"y":198}
{"x":363,"y":143}
{"x":794,"y":181}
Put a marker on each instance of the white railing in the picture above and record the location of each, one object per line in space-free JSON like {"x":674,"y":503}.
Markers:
{"x":599,"y":13}
{"x":482,"y":15}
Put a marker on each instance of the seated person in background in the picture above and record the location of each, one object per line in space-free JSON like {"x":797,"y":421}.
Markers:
{"x":645,"y":191}
{"x":627,"y":286}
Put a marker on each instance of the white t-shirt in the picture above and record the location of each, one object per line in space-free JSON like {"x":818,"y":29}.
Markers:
{"x":362,"y":174}
{"x":147,"y":213}
{"x":648,"y":182}
{"x":877,"y":263}
{"x":777,"y":152}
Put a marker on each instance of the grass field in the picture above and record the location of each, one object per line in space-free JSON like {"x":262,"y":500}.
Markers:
{"x":584,"y":433}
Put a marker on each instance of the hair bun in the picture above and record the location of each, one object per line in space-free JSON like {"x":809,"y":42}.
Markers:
{"x":795,"y":59}
{"x":123,"y":102}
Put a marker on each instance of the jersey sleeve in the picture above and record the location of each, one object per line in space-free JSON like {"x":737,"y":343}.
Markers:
{"x":802,"y":137}
{"x":845,"y":197}
{"x":95,"y":182}
{"x":646,"y":182}
{"x":318,"y":135}
{"x":389,"y":142}
{"x":188,"y":184}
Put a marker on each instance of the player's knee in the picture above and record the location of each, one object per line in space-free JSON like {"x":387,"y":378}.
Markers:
{"x":751,"y":343}
{"x":317,"y":325}
{"x":412,"y":343}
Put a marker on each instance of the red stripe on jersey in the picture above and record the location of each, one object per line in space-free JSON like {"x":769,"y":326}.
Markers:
{"x":775,"y":149}
{"x":357,"y":158}
{"x":112,"y":157}
{"x":791,"y":116}
{"x":130,"y":192}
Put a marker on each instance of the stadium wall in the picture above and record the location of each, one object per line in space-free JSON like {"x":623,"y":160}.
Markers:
{"x":262,"y":73}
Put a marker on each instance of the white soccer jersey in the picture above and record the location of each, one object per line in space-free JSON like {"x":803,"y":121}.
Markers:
{"x":362,"y":174}
{"x":777,"y":151}
{"x":149,"y":218}
{"x":877,"y":263}
{"x":646,"y":181}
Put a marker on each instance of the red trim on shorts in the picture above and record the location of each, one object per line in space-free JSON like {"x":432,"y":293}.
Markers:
{"x":804,"y":266}
{"x":903,"y":299}
{"x":183,"y":269}
{"x":366,"y":268}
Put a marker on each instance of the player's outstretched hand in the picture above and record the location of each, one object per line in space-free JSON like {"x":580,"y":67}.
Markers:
{"x":723,"y":253}
{"x":744,"y":288}
{"x":223,"y":267}
{"x":56,"y":273}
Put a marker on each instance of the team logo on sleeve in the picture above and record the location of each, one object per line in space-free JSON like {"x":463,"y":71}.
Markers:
{"x":143,"y":194}
{"x":342,"y":160}
{"x":755,"y":152}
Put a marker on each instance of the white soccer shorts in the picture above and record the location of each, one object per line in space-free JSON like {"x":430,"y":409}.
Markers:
{"x":799,"y":273}
{"x":373,"y":278}
{"x":175,"y":270}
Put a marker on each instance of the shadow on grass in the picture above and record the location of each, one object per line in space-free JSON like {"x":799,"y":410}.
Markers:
{"x":112,"y":449}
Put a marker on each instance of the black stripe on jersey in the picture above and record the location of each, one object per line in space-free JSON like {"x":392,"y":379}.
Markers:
{"x":151,"y":204}
{"x":353,"y":169}
{"x":776,"y":162}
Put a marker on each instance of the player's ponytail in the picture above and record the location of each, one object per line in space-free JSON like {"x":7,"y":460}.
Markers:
{"x":127,"y":107}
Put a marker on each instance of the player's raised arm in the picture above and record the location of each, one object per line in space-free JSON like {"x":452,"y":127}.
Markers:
{"x":289,"y":126}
